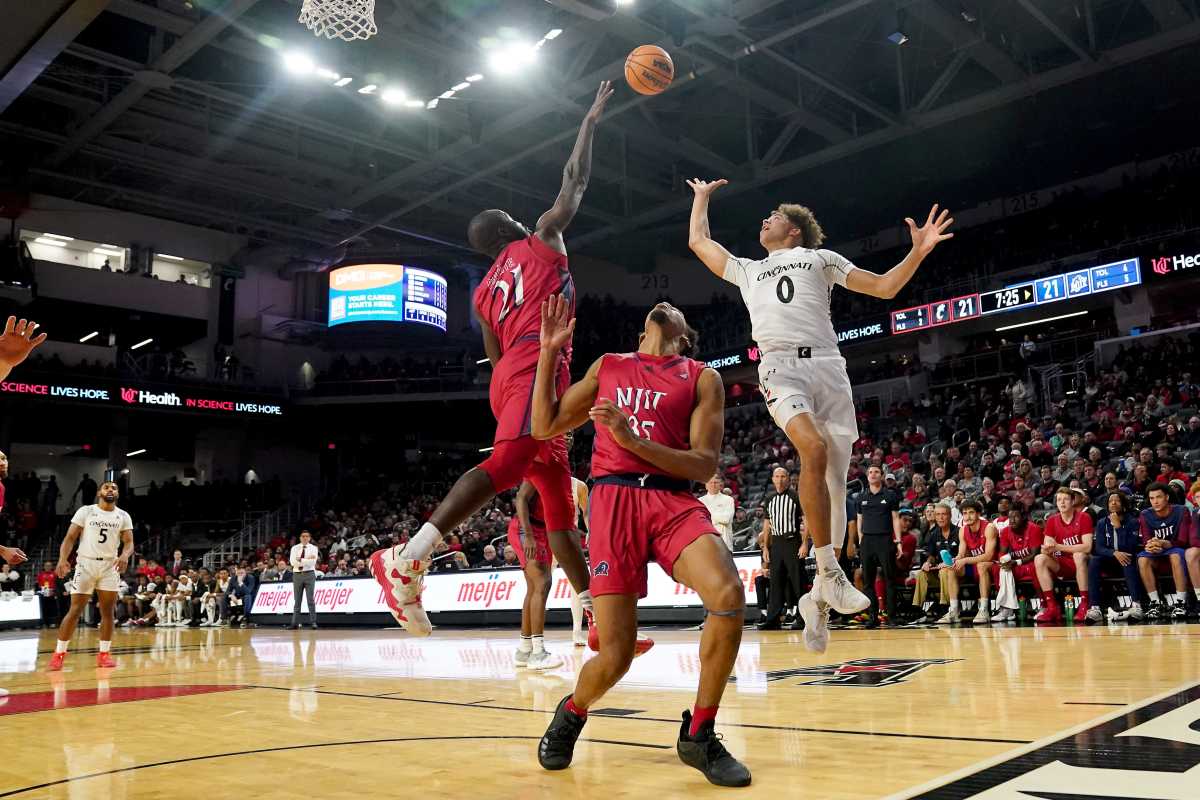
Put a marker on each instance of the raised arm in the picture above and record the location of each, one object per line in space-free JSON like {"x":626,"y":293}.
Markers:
{"x":553,"y":416}
{"x":16,"y":343}
{"x":924,"y":239}
{"x":550,"y":226}
{"x":714,"y":256}
{"x":707,"y":426}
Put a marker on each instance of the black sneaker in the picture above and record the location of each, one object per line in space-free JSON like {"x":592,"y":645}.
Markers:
{"x":797,"y":624}
{"x":769,"y":625}
{"x":1155,"y":611}
{"x":707,"y":754}
{"x":558,"y":742}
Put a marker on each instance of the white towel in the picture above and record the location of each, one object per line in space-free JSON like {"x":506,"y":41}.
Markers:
{"x":1006,"y":595}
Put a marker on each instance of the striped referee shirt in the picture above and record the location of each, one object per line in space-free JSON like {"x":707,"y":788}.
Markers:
{"x":784,"y":512}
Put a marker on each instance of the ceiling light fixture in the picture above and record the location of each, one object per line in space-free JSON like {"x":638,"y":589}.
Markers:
{"x":298,"y":63}
{"x":135,"y":453}
{"x":142,"y":343}
{"x":476,"y":77}
{"x":343,"y":82}
{"x":432,"y":103}
{"x":108,"y":252}
{"x":59,"y":236}
{"x":49,"y":242}
{"x":414,"y":103}
{"x":393,"y":97}
{"x":169,"y":258}
{"x":368,"y":89}
{"x":89,"y":337}
{"x":328,"y":74}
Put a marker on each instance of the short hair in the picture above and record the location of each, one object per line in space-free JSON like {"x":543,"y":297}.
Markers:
{"x":693,"y":337}
{"x":801,"y":217}
{"x":1121,"y":496}
{"x":971,"y":505}
{"x":1158,"y":486}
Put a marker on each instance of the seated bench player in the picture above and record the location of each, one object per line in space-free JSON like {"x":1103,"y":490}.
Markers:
{"x":1020,"y":543}
{"x":1114,"y":552}
{"x":1065,"y":552}
{"x":976,"y":551}
{"x":1165,"y":530}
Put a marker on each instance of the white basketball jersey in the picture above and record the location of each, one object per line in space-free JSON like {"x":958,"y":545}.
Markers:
{"x":101,"y":537}
{"x":788,"y":294}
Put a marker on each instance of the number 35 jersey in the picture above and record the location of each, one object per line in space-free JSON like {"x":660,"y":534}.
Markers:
{"x":788,"y":294}
{"x":101,"y":536}
{"x":658,"y":395}
{"x":509,"y":299}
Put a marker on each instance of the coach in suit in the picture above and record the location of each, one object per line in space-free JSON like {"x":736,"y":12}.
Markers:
{"x":304,"y":578}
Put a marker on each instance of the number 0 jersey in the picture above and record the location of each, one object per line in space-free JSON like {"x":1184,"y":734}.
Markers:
{"x":788,"y":294}
{"x":509,"y":299}
{"x":658,"y":395}
{"x":101,"y":536}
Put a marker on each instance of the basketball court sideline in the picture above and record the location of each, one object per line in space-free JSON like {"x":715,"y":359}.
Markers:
{"x":935,"y":713}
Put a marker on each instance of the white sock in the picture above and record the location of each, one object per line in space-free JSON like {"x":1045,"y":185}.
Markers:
{"x":526,"y":645}
{"x":61,"y":646}
{"x":1197,"y":591}
{"x":826,"y":560}
{"x":576,"y":612}
{"x":105,"y":647}
{"x":585,"y":599}
{"x":539,"y":645}
{"x":421,"y":545}
{"x":1153,"y":596}
{"x":955,"y":607}
{"x":1181,"y":598}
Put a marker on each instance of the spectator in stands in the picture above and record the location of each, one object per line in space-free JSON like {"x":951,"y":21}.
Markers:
{"x":1114,"y":551}
{"x":942,"y":537}
{"x":970,"y":484}
{"x":1170,"y":470}
{"x":973,"y":561}
{"x":510,"y":557}
{"x":1165,"y":532}
{"x":491,"y":559}
{"x":177,"y":564}
{"x":1021,"y":496}
{"x":1062,"y":469}
{"x":1190,"y":438}
{"x":1068,"y":541}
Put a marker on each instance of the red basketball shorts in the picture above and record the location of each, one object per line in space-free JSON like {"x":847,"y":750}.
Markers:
{"x":1024,"y":573}
{"x":1066,"y":566}
{"x":630,"y":526}
{"x":541,"y":555}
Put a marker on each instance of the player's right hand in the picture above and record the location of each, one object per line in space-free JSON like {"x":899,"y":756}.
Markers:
{"x":63,"y":569}
{"x":602,"y":94}
{"x":557,"y":323}
{"x":704,"y":188}
{"x":529,"y":546}
{"x":13,"y":555}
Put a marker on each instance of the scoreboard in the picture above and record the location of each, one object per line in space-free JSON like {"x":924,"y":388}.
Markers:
{"x":1053,"y":289}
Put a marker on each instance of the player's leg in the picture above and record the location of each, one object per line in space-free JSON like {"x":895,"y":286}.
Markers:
{"x":1149,"y":576}
{"x":616,"y":624}
{"x":1192,"y":558}
{"x":551,"y":476}
{"x":1047,"y":567}
{"x":949,"y":582}
{"x":66,"y":628}
{"x":983,"y":614}
{"x":577,"y":635}
{"x":888,"y":569}
{"x":870,"y":570}
{"x":1080,"y":561}
{"x":310,"y":592}
{"x":1096,"y":567}
{"x":777,"y":586}
{"x":1176,"y":556}
{"x":537,"y":592}
{"x":837,"y":465}
{"x":107,"y":601}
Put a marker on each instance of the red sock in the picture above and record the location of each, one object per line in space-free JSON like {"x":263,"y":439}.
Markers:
{"x":574,"y":709}
{"x":1048,"y":599}
{"x":701,"y":715}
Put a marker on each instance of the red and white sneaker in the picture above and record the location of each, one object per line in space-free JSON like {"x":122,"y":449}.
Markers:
{"x":643,"y":643}
{"x":1081,"y":612}
{"x":56,"y":662}
{"x":1049,"y":614}
{"x":402,"y":580}
{"x":105,"y":661}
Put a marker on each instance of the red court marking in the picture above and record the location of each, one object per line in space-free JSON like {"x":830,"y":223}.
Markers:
{"x":28,"y":702}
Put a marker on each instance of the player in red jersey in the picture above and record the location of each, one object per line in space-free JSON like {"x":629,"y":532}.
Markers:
{"x":13,"y":555}
{"x":527,"y":535}
{"x":1068,"y":541}
{"x":976,"y":550}
{"x":659,"y":420}
{"x":527,"y":268}
{"x":1020,"y":543}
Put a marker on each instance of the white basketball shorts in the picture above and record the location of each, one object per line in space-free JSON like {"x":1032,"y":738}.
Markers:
{"x":92,"y":575}
{"x":817,"y":386}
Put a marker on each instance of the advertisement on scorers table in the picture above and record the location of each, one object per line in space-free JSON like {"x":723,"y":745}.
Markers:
{"x":483,"y":590}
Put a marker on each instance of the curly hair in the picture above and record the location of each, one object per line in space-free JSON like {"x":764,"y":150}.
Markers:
{"x":811,"y":235}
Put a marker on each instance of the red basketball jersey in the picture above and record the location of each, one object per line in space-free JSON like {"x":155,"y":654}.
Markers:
{"x":509,"y":299}
{"x":975,"y":539}
{"x":658,"y":393}
{"x":1068,"y":532}
{"x":1022,"y":545}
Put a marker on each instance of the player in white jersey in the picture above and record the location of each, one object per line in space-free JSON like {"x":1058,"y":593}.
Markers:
{"x":802,"y":374}
{"x":99,"y":529}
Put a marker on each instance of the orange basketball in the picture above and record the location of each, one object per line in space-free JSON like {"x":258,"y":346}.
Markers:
{"x":649,"y":69}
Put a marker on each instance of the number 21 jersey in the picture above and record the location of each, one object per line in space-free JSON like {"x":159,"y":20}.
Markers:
{"x":509,"y":299}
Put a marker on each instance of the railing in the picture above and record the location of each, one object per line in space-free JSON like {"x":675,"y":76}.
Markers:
{"x":258,"y":528}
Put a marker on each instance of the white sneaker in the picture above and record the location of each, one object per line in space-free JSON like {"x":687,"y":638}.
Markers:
{"x":1133,"y":613}
{"x":816,"y":623}
{"x":579,"y":638}
{"x":1004,"y":615}
{"x":833,"y":588}
{"x":543,"y":660}
{"x":981,"y":617}
{"x":949,"y":618}
{"x":402,"y":580}
{"x":1094,"y":615}
{"x":206,"y":624}
{"x":521,"y":659}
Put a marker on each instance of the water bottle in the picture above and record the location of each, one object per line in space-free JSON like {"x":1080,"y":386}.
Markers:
{"x":947,"y":559}
{"x":1069,"y":609}
{"x":1023,"y":611}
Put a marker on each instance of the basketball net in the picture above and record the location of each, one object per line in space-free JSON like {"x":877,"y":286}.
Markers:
{"x":340,"y":19}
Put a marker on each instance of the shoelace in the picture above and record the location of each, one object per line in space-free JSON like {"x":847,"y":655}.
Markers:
{"x":566,"y":731}
{"x":715,"y":748}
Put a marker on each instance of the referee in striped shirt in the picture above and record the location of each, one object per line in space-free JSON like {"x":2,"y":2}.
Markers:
{"x":781,"y":532}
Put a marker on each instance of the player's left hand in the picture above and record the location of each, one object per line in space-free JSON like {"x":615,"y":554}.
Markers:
{"x":558,"y":326}
{"x":932,"y":233}
{"x":13,"y":555}
{"x":18,"y":341}
{"x":606,"y":413}
{"x":122,"y":565}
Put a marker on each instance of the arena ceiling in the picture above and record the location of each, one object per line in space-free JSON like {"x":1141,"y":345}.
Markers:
{"x":184,"y":108}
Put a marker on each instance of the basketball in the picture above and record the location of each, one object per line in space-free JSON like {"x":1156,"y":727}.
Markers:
{"x":649,"y":69}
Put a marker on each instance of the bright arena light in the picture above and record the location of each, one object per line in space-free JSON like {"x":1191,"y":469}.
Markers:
{"x":476,"y":77}
{"x":142,"y":343}
{"x":393,"y":97}
{"x":414,"y":103}
{"x":343,"y":81}
{"x":368,"y":89}
{"x":512,"y":57}
{"x":328,"y":74}
{"x":458,"y":87}
{"x":298,"y":63}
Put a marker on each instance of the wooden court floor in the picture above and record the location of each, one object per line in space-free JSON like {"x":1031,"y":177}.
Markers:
{"x":371,"y":713}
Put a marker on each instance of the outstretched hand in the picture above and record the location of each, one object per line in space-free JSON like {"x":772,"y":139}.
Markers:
{"x":557,"y":323}
{"x":18,"y":341}
{"x":602,"y":94}
{"x":704,"y":188}
{"x":932,"y":233}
